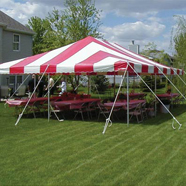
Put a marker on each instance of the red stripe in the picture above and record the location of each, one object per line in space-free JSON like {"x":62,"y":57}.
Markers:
{"x":145,"y":68}
{"x":178,"y":71}
{"x":65,"y":55}
{"x":156,"y":70}
{"x":87,"y":64}
{"x":120,"y":65}
{"x":172,"y":71}
{"x":138,"y":58}
{"x":130,"y":68}
{"x":18,"y":68}
{"x":128,"y":54}
{"x":165,"y":71}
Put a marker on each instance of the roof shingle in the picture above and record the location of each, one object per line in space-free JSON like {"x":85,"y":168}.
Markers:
{"x":12,"y":24}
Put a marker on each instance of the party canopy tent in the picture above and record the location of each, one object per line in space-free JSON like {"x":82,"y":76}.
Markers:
{"x":87,"y":56}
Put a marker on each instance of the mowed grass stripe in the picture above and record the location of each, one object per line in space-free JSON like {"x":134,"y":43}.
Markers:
{"x":47,"y":130}
{"x":133,"y":168}
{"x":61,"y":150}
{"x":89,"y":147}
{"x":180,"y":180}
{"x":130,"y":150}
{"x":151,"y":176}
{"x":105,"y":151}
{"x":49,"y":136}
{"x":48,"y":164}
{"x":50,"y":143}
{"x":24,"y":162}
{"x":63,"y":163}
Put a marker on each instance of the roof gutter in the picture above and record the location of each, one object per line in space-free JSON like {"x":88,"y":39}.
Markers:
{"x":4,"y":25}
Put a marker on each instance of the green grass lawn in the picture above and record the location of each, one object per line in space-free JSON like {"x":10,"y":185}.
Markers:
{"x":38,"y":152}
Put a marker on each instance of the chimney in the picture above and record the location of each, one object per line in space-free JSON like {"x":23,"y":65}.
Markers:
{"x":133,"y":47}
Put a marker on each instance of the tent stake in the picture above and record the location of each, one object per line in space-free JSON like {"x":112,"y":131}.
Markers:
{"x":20,"y":115}
{"x":157,"y":96}
{"x":108,"y":119}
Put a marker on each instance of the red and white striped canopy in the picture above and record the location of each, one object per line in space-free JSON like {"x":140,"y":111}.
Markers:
{"x":87,"y":56}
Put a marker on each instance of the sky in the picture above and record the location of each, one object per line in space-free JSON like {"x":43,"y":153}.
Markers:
{"x":142,"y":21}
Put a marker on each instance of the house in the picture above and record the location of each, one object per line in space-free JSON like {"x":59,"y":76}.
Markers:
{"x":15,"y":43}
{"x":117,"y":79}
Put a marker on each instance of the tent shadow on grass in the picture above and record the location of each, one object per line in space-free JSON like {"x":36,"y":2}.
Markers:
{"x":177,"y":111}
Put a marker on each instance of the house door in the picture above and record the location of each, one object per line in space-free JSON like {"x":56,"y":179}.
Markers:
{"x":15,"y":81}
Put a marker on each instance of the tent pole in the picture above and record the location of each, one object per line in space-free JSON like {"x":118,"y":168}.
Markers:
{"x":89,"y":87}
{"x":48,"y":99}
{"x":155,"y":106}
{"x":180,"y":77}
{"x":114,"y":84}
{"x":20,"y":115}
{"x":172,"y":83}
{"x":18,"y":88}
{"x":54,"y":85}
{"x":108,"y":120}
{"x":34,"y":85}
{"x":88,"y":84}
{"x":174,"y":119}
{"x":127,"y":98}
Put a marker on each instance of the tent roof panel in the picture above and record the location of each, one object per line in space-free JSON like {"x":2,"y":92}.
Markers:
{"x":88,"y":55}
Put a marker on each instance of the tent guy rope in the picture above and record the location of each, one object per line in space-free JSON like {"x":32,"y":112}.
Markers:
{"x":20,"y":115}
{"x":108,"y":120}
{"x":158,"y":99}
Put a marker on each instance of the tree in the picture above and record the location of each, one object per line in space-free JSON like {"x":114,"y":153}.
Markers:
{"x":82,"y":19}
{"x":179,"y":41}
{"x":50,"y":32}
{"x":38,"y":26}
{"x":56,"y":34}
{"x":150,"y":81}
{"x":150,"y":51}
{"x":79,"y":20}
{"x":101,"y":83}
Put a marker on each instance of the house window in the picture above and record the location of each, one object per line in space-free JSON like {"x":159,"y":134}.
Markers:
{"x":16,"y":42}
{"x":12,"y":79}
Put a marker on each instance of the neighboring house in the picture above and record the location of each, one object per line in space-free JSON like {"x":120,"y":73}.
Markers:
{"x":159,"y":56}
{"x":117,"y":79}
{"x":15,"y":43}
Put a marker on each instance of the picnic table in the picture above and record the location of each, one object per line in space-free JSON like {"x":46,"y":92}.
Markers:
{"x":23,"y":102}
{"x":74,"y":103}
{"x":124,"y":103}
{"x":167,"y":95}
{"x":135,"y":95}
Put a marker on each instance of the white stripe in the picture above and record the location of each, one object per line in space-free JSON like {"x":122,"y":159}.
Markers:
{"x":35,"y":66}
{"x":160,"y":70}
{"x":105,"y":65}
{"x":151,"y":69}
{"x":5,"y":67}
{"x":138,"y":68}
{"x":140,"y":57}
{"x":175,"y":71}
{"x":69,"y":64}
{"x":168,"y":71}
{"x":119,"y":49}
